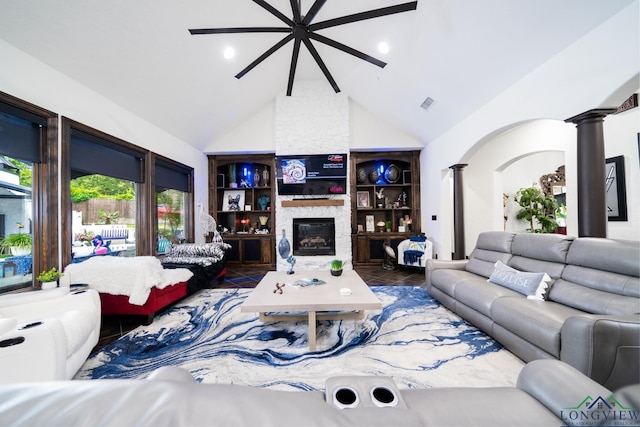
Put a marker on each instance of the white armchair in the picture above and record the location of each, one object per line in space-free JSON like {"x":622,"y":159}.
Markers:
{"x":48,"y":334}
{"x":426,"y":247}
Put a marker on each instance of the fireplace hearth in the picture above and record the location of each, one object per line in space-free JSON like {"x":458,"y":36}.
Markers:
{"x":314,"y":236}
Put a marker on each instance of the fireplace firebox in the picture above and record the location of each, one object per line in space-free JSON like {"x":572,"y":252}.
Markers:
{"x":314,"y":236}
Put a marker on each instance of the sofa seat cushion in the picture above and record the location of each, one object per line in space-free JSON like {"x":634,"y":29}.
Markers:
{"x":479,"y":294}
{"x":78,"y":325}
{"x":446,"y":280}
{"x":538,"y":322}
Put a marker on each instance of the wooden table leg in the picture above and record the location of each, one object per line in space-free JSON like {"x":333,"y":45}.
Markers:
{"x":312,"y":330}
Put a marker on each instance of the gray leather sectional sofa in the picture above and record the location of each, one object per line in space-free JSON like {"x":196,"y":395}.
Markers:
{"x":548,"y":393}
{"x":590,"y":317}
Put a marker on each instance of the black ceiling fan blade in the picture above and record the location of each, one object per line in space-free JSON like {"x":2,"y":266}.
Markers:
{"x":265,"y":55}
{"x":375,"y":13}
{"x":347,"y":49}
{"x":275,"y":12}
{"x":295,"y":8}
{"x":321,"y":64}
{"x":197,"y":31}
{"x":294,"y":64}
{"x":315,"y":8}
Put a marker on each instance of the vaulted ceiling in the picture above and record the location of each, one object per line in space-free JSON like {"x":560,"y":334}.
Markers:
{"x":140,"y":54}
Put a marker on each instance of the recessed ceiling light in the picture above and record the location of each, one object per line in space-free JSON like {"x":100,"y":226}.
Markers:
{"x":383,"y":47}
{"x":229,"y":52}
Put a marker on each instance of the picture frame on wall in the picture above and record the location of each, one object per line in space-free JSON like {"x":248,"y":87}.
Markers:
{"x":363,"y":199}
{"x":233,"y":200}
{"x":616,"y":193}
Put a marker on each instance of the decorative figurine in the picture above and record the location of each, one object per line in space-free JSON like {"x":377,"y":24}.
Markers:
{"x":265,"y":177}
{"x":402,"y":199}
{"x":256,"y":178}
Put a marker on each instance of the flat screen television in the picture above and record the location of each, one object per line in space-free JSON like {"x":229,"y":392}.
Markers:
{"x":312,"y":174}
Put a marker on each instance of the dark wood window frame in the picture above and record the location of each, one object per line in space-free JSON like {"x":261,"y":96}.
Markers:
{"x":45,"y":250}
{"x":146,"y":210}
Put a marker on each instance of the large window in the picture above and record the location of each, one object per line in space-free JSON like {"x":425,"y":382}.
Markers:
{"x":28,"y":190}
{"x":105,"y":191}
{"x":16,"y":219}
{"x":173,"y":185}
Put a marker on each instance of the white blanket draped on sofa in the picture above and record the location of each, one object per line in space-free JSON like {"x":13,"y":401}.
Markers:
{"x":131,"y":276}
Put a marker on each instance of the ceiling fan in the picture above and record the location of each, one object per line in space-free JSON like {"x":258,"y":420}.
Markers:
{"x":300,"y":29}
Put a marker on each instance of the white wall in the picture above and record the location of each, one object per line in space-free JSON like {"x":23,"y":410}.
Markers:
{"x":505,"y":163}
{"x":30,"y":80}
{"x":621,"y":139}
{"x":578,"y":79}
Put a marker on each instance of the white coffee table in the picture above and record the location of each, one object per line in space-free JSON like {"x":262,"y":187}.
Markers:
{"x":319,"y":302}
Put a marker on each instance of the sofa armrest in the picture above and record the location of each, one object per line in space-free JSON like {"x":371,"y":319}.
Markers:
{"x":435,"y":264}
{"x":35,"y":351}
{"x":558,"y":386}
{"x":13,"y":300}
{"x":606,"y":348}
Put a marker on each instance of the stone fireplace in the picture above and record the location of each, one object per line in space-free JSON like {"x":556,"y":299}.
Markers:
{"x":314,"y":120}
{"x":314,"y":236}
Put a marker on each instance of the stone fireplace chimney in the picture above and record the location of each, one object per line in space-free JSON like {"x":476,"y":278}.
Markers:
{"x":314,"y":120}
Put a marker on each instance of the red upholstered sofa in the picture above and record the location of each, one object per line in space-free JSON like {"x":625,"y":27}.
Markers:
{"x":206,"y":262}
{"x":158,"y":299}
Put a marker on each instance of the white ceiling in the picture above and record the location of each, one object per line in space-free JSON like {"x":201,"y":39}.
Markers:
{"x":139,"y":54}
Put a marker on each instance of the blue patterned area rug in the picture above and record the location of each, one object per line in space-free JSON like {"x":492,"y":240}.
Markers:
{"x":413,"y":339}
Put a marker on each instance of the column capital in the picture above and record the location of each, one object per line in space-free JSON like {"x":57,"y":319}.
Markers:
{"x":459,"y":166}
{"x":596,"y":113}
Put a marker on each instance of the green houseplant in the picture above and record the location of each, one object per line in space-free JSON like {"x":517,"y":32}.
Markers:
{"x":49,"y":278}
{"x":17,"y":243}
{"x":537,"y":208}
{"x":336,"y":267}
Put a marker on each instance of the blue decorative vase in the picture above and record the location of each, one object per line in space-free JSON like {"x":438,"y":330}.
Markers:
{"x":284,"y":248}
{"x":263,"y":201}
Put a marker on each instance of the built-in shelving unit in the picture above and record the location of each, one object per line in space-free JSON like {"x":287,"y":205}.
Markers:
{"x":241,"y":196}
{"x":385,"y":201}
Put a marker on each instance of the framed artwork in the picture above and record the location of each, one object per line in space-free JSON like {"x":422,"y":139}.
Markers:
{"x":369,"y":225}
{"x":616,"y":193}
{"x":233,"y":200}
{"x":363,"y":199}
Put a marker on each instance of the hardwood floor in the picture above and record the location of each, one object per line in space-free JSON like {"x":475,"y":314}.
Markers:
{"x":238,"y":276}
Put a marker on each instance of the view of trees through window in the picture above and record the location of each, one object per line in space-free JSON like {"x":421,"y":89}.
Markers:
{"x":16,"y":216}
{"x":170,"y":218}
{"x":104,"y":216}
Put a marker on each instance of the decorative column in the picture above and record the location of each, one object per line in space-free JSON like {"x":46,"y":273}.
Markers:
{"x":592,"y":204}
{"x":458,"y":212}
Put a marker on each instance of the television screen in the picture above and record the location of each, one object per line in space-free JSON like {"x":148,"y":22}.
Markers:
{"x":315,"y":174}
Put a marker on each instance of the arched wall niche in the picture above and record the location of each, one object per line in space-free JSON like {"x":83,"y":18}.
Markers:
{"x":507,"y":159}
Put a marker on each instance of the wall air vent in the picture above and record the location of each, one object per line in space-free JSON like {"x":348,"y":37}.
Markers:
{"x":427,"y":103}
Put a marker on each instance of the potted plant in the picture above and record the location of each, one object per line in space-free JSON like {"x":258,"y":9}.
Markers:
{"x":231,"y":174}
{"x":17,"y":244}
{"x":537,"y":208}
{"x":49,"y":278}
{"x":336,"y":267}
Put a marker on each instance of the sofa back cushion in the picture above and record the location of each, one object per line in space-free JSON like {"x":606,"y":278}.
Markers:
{"x":540,"y":253}
{"x":491,"y":246}
{"x":601,"y":277}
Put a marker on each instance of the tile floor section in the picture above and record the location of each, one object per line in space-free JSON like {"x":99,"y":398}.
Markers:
{"x":238,"y":276}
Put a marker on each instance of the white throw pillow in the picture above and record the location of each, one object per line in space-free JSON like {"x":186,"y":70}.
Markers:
{"x":533,"y":285}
